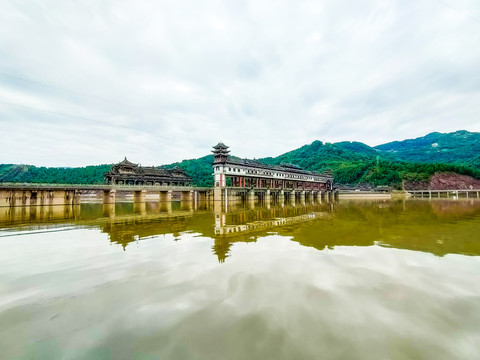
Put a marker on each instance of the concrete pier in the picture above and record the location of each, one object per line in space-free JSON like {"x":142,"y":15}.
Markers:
{"x":166,"y":195}
{"x":187,"y":195}
{"x":302,"y":196}
{"x":109,"y":196}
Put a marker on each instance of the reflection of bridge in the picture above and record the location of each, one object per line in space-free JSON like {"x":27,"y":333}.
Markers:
{"x":259,"y":225}
{"x":91,"y":214}
{"x":413,"y":225}
{"x":59,"y":194}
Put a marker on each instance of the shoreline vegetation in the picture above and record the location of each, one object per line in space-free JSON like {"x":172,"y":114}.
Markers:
{"x":439,"y":160}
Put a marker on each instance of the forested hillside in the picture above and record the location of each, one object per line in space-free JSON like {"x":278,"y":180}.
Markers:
{"x":28,"y":173}
{"x":351,"y":162}
{"x":459,"y":147}
{"x":200,"y":170}
{"x":357,"y":163}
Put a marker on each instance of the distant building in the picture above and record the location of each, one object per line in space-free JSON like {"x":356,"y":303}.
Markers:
{"x":128,"y":173}
{"x":244,"y":173}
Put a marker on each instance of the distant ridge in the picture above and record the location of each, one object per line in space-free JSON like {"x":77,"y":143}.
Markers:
{"x":459,"y":147}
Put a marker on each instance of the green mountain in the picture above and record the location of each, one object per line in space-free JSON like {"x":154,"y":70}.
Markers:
{"x":351,"y":162}
{"x":459,"y":147}
{"x":357,"y":163}
{"x":28,"y":173}
{"x":200,"y":170}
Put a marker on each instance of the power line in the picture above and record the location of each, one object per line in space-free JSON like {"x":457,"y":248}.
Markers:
{"x":68,"y":90}
{"x":74,"y":116}
{"x":460,"y":11}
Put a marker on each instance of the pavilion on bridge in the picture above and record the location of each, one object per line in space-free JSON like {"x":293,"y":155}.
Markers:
{"x":128,"y":173}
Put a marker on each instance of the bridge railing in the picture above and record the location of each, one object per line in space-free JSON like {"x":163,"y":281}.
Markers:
{"x":442,"y":191}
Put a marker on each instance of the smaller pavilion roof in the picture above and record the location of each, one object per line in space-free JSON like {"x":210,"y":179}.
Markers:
{"x":125,"y":162}
{"x":220,"y":146}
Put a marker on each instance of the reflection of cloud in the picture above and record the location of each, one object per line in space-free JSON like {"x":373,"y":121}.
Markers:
{"x":172,"y":78}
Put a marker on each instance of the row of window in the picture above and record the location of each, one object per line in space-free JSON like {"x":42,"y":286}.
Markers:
{"x":261,"y":172}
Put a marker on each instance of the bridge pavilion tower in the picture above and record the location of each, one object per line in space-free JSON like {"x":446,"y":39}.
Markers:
{"x":220,"y":157}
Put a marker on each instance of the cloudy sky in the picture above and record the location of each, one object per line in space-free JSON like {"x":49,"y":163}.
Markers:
{"x":89,"y":82}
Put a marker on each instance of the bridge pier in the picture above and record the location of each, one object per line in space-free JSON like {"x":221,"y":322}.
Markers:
{"x":109,"y":210}
{"x":140,"y":207}
{"x":71,"y":197}
{"x":217,"y":194}
{"x":44,"y":197}
{"x":47,"y":197}
{"x":109,"y":196}
{"x":267,"y":197}
{"x":292,"y":197}
{"x":251,"y":195}
{"x":166,"y":195}
{"x":302,"y":197}
{"x":328,"y":196}
{"x":11,"y":198}
{"x":251,"y":202}
{"x":201,"y":195}
{"x":139,"y":196}
{"x":187,"y":195}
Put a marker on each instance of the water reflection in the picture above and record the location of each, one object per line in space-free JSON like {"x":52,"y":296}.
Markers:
{"x":439,"y":227}
{"x":241,"y":281}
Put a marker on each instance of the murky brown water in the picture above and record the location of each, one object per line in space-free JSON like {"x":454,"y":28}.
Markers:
{"x":346,"y":280}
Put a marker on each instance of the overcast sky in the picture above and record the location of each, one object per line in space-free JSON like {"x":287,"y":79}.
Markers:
{"x":89,"y":82}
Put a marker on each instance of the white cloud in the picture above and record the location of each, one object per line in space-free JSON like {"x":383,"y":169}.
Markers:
{"x":161,"y":81}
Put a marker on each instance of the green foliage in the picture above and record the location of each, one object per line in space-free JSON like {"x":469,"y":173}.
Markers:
{"x":33,"y":174}
{"x":200,"y":170}
{"x":460,"y":147}
{"x":356,"y":163}
{"x":318,"y":156}
{"x":394,"y":173}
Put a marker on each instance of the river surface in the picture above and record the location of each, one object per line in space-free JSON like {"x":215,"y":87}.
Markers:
{"x":345,"y":280}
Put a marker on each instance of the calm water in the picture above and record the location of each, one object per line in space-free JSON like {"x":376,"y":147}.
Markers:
{"x":346,"y":280}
